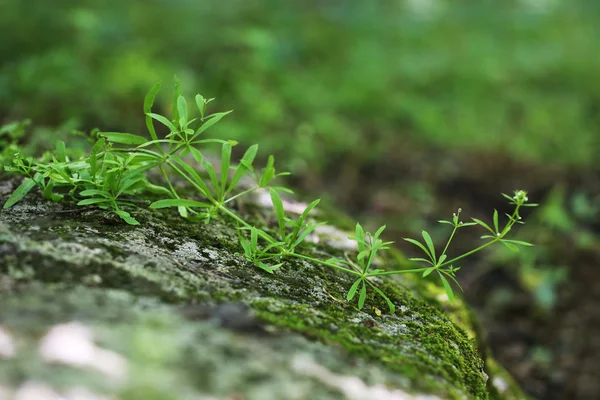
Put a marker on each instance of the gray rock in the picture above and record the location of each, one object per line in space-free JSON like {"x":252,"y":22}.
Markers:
{"x":93,"y":309}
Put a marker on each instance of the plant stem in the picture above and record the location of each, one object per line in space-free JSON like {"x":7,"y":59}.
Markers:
{"x":297,"y":255}
{"x":449,"y":240}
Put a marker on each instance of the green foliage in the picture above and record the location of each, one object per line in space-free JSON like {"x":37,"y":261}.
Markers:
{"x":297,"y":70}
{"x":113,"y":177}
{"x":444,"y":267}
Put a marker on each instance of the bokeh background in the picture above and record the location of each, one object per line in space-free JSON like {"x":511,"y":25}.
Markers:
{"x":396,"y":111}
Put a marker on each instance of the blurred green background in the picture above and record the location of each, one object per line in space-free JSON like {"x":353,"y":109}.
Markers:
{"x":398,"y":110}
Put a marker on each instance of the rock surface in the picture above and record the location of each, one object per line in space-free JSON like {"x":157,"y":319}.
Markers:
{"x":91,"y":308}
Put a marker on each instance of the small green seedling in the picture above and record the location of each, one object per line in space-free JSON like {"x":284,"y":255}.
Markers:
{"x":113,"y":177}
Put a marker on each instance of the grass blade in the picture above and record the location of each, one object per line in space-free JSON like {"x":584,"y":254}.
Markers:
{"x":447,"y":286}
{"x":279,"y":211}
{"x":420,"y":245}
{"x":20,"y":192}
{"x":429,"y":243}
{"x":353,"y":288}
{"x":362,"y":296}
{"x":496,"y":221}
{"x":124,"y":138}
{"x":148,"y":103}
{"x":182,"y":110}
{"x":245,"y":165}
{"x":210,"y":121}
{"x":178,"y":203}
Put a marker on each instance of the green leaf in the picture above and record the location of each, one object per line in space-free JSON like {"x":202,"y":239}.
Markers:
{"x":353,"y":288}
{"x":486,"y":226}
{"x":429,"y":242}
{"x":246,"y":246}
{"x":183,"y":212}
{"x":128,"y":183}
{"x":163,"y":121}
{"x":124,"y":138}
{"x":148,"y":103}
{"x":496,"y":220}
{"x":362,"y":296}
{"x":254,"y":238}
{"x":363,"y":254}
{"x":360,"y":237}
{"x":178,"y":203}
{"x":201,"y":104}
{"x":390,"y":305}
{"x":447,"y":286}
{"x":279,"y":211}
{"x":379,"y":232}
{"x":519,"y":242}
{"x":245,"y":164}
{"x":94,"y":192}
{"x":182,"y":109}
{"x":213,"y":176}
{"x":193,"y":175}
{"x":510,"y":246}
{"x":210,"y":121}
{"x":269,"y":269}
{"x":196,"y":154}
{"x":463,"y":224}
{"x":511,"y":199}
{"x":282,"y":189}
{"x":60,"y":151}
{"x":268,"y":172}
{"x":125,"y":216}
{"x":442,"y":259}
{"x":305,"y":233}
{"x":94,"y":200}
{"x":20,"y":192}
{"x":308,"y":209}
{"x":421,"y":259}
{"x":93,"y":159}
{"x":420,"y":245}
{"x":428,"y":271}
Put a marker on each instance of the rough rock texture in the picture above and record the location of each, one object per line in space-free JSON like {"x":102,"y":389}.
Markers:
{"x":91,"y":308}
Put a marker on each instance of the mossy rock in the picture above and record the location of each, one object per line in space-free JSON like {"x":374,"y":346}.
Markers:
{"x":170,"y":310}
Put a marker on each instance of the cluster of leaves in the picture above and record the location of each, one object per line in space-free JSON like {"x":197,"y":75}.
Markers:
{"x":9,"y":135}
{"x":114,"y":174}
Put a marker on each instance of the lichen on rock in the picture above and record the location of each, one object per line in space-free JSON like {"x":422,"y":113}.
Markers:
{"x":184,"y":316}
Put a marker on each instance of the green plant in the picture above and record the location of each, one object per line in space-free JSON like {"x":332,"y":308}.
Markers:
{"x":9,"y":135}
{"x":115,"y":172}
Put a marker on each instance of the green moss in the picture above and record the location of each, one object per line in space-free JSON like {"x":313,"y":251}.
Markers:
{"x":420,"y":348}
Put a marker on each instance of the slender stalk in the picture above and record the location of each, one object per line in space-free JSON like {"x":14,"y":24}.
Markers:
{"x":241,"y":194}
{"x":297,"y":255}
{"x":396,"y":272}
{"x":449,"y":239}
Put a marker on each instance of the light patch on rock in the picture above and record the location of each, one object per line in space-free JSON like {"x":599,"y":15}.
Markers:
{"x":36,"y":391}
{"x":425,"y":8}
{"x":84,"y":394}
{"x":540,"y":6}
{"x":188,"y":251}
{"x":500,"y":384}
{"x":33,"y":390}
{"x":8,"y":349}
{"x":5,"y":393}
{"x":263,"y":199}
{"x":442,"y":298}
{"x":72,"y":344}
{"x":333,"y":237}
{"x":353,"y":387}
